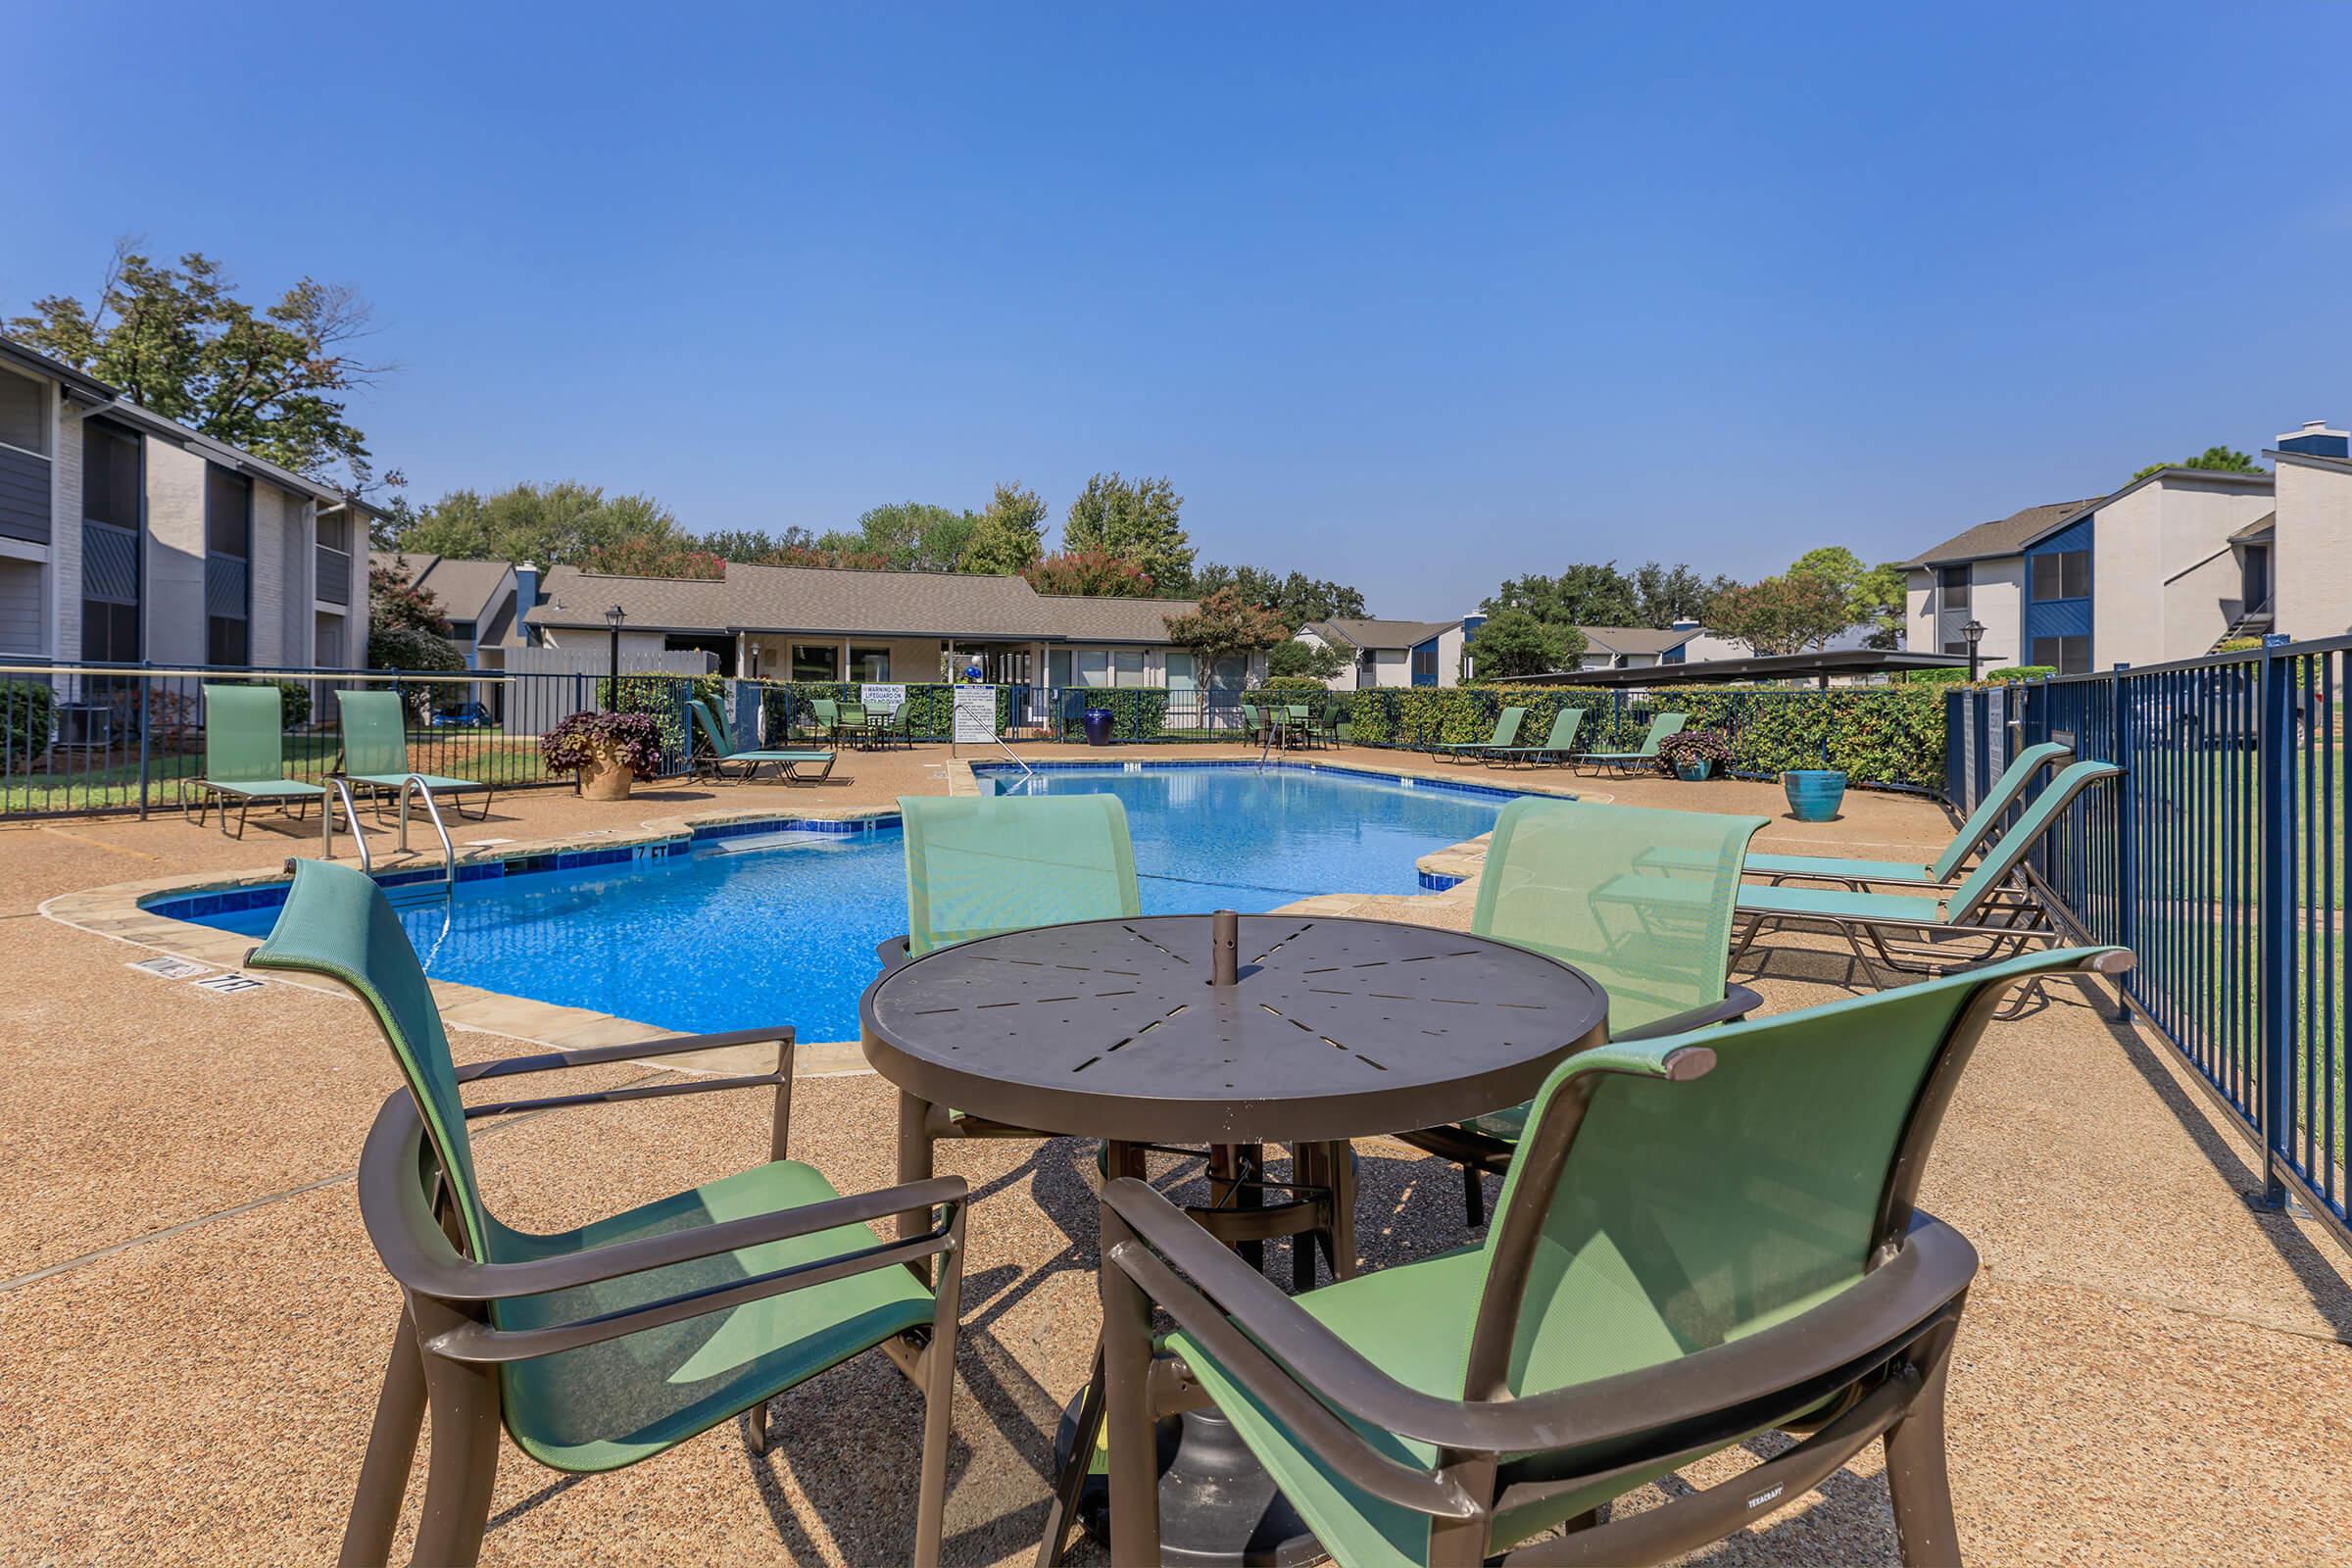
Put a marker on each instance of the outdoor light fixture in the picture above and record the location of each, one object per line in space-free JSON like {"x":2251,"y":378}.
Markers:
{"x":613,"y":618}
{"x":1974,"y":631}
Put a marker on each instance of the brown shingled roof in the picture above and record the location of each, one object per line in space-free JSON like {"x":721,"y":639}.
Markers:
{"x":841,"y":601}
{"x":2006,"y":536}
{"x":1370,"y":633}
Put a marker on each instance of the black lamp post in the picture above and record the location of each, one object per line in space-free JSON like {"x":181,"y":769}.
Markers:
{"x":613,"y":618}
{"x":1974,"y":631}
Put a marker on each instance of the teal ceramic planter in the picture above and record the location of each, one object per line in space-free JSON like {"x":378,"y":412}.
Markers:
{"x":1693,"y":773}
{"x":1814,"y":793}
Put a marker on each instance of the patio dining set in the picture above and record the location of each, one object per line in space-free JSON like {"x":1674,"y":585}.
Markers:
{"x":1707,"y":1223}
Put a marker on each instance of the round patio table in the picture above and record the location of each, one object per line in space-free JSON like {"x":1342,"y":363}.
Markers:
{"x":1220,"y":1030}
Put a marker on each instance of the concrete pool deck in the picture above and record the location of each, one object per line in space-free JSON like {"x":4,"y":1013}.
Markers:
{"x":2151,"y":1371}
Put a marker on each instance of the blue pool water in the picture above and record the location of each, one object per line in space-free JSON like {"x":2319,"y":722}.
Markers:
{"x":722,"y":936}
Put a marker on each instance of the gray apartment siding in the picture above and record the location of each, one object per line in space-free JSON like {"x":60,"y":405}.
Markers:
{"x":23,"y":496}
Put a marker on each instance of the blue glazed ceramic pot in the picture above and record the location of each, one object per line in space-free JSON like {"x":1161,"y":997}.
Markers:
{"x":1693,"y":772}
{"x":1814,"y":793}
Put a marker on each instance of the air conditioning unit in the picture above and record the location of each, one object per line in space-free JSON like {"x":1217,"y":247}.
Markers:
{"x":84,"y":726}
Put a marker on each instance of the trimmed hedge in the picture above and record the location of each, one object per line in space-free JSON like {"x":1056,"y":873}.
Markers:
{"x":1876,"y":734}
{"x":2012,"y":673}
{"x":27,"y":708}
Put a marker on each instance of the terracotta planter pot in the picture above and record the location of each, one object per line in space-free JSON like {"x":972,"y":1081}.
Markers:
{"x":607,"y":778}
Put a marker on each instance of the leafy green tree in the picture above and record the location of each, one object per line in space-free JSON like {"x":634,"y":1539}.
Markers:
{"x":2219,"y":460}
{"x":757,"y":546}
{"x":1010,"y":537}
{"x":914,"y":535}
{"x":406,"y":630}
{"x":1089,"y":573}
{"x":1584,"y":595}
{"x":1784,"y":614}
{"x":646,"y":558}
{"x":1874,"y":596}
{"x":1138,"y":522}
{"x":1225,"y":624}
{"x":1517,"y":642}
{"x":1316,"y":660}
{"x":1297,"y":598}
{"x":273,"y":383}
{"x":551,"y":525}
{"x":1665,"y":595}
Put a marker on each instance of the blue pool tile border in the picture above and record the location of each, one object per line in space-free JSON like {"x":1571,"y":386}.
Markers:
{"x":197,"y":905}
{"x":1438,"y":882}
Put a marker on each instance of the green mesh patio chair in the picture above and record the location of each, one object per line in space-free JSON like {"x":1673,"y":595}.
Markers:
{"x":1560,"y":743}
{"x":375,"y":754}
{"x":598,"y":1347}
{"x":1259,"y":727}
{"x":1986,"y":915}
{"x":717,"y":753}
{"x":980,"y":865}
{"x":1573,"y":880}
{"x":1505,"y":736}
{"x":827,"y":714}
{"x":1981,"y":824}
{"x":1302,"y":723}
{"x":1641,"y":756}
{"x":245,"y":758}
{"x":1705,"y":1239}
{"x":1334,"y":713}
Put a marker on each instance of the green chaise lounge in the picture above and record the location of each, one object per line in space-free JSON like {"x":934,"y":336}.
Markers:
{"x":376,"y":753}
{"x":1705,"y":1239}
{"x":604,"y":1346}
{"x":719,"y":752}
{"x":1981,"y":824}
{"x":1558,"y":745}
{"x":1980,"y":906}
{"x":1506,"y":735}
{"x":1660,"y":727}
{"x":1574,"y":880}
{"x":245,"y":757}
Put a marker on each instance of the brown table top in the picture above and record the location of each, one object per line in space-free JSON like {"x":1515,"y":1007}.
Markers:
{"x":1336,"y":1028}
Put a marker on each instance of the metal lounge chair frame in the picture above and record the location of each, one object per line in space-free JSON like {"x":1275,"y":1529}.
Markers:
{"x":1388,"y":1469}
{"x":250,"y":722}
{"x":1559,"y":744}
{"x":719,"y":752}
{"x":1506,"y":733}
{"x":455,"y":1355}
{"x":1660,"y":726}
{"x":1987,"y":904}
{"x":1981,"y":824}
{"x":379,"y":739}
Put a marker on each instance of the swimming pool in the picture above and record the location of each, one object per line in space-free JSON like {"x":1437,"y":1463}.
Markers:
{"x":755,"y":924}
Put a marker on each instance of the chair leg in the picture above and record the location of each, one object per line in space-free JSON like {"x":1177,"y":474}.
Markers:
{"x":1921,"y":1486}
{"x":463,"y":1468}
{"x":755,"y":1420}
{"x":1126,"y":1371}
{"x":391,"y":1448}
{"x":939,"y":1396}
{"x":1474,"y":1195}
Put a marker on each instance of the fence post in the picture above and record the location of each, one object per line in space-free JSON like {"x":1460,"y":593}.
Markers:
{"x":2275,"y":748}
{"x":146,"y":683}
{"x":2127,"y":817}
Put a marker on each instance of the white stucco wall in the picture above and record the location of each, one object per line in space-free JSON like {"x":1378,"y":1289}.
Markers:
{"x":2311,"y":561}
{"x":1996,"y":598}
{"x":1345,"y":680}
{"x":2163,"y":576}
{"x":174,"y":587}
{"x":1449,"y":658}
{"x":1919,"y":611}
{"x":1392,"y":667}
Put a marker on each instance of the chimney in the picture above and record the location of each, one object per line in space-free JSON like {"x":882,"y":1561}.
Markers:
{"x":526,"y":599}
{"x":2316,"y":440}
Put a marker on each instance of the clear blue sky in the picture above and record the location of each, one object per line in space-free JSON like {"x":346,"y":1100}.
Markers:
{"x":1418,"y":298}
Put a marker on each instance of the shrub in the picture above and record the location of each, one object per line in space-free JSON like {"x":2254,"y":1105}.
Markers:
{"x":1694,"y":746}
{"x":1933,"y":677}
{"x":660,"y":699}
{"x":27,"y":708}
{"x":2237,"y":645}
{"x":581,"y":739}
{"x":2009,"y":672}
{"x":407,"y":648}
{"x":1294,"y":683}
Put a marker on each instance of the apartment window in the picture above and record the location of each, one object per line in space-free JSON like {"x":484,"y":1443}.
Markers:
{"x":1127,"y":667}
{"x":869,"y":663}
{"x":2069,"y":655}
{"x":1951,"y":588}
{"x":461,"y":632}
{"x":110,"y":544}
{"x":2255,"y":586}
{"x":24,"y":413}
{"x":1425,"y":666}
{"x":816,"y":662}
{"x":1092,"y":666}
{"x":228,"y":567}
{"x":2065,"y":575}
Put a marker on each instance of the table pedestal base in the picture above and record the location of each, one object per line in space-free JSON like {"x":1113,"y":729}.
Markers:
{"x":1217,"y":1506}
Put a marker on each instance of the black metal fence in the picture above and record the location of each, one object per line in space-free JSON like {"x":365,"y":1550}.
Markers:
{"x":91,"y":738}
{"x":2220,"y":860}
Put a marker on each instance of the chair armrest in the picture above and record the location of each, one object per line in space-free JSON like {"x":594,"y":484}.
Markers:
{"x":892,"y":952}
{"x":1738,"y":1002}
{"x":1281,"y":1353}
{"x":597,"y":1056}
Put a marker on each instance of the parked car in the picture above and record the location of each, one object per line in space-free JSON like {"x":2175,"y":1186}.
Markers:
{"x":461,"y":714}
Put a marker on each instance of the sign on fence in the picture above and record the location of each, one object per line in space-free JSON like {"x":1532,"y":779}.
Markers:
{"x":882,"y":698}
{"x":975,"y":714}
